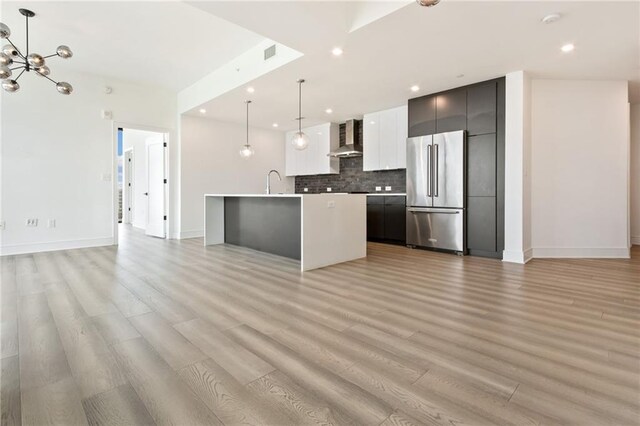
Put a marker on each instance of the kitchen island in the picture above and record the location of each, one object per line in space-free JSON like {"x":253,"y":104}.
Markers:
{"x":316,"y":229}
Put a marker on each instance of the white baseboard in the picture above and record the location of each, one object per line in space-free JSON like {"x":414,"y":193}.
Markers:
{"x":515,"y":256}
{"x":635,"y":240}
{"x":592,"y":253}
{"x":54,"y":246}
{"x":198,"y":233}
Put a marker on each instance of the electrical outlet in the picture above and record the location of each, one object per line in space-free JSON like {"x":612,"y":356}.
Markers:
{"x":2,"y":225}
{"x":306,"y":190}
{"x":378,"y":188}
{"x":51,"y":223}
{"x":328,"y":189}
{"x":387,"y":188}
{"x":32,"y":222}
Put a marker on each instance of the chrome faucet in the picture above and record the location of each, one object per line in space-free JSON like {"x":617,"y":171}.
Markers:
{"x":269,"y":179}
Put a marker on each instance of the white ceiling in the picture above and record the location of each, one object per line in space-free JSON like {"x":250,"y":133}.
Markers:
{"x":430,"y":47}
{"x":170,"y":44}
{"x":396,"y":44}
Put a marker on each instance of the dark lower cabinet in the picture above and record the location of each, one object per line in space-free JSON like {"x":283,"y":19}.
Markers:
{"x":386,"y":219}
{"x":375,"y":218}
{"x":481,"y":226}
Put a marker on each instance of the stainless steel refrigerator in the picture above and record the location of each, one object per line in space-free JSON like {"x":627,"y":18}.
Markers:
{"x":436,"y":191}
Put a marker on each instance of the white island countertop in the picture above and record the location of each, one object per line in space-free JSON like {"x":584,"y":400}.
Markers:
{"x":288,"y":195}
{"x":255,"y":195}
{"x":317,"y":229}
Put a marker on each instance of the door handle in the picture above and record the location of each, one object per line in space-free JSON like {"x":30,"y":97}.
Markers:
{"x":423,"y":210}
{"x":429,"y":170}
{"x":437,"y":171}
{"x":146,"y":193}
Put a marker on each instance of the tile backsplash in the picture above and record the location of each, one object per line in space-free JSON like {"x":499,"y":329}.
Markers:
{"x":352,"y":178}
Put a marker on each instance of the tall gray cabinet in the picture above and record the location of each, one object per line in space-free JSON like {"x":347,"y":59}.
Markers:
{"x":478,"y":109}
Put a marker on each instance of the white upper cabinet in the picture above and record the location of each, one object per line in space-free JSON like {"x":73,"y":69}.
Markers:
{"x":313,"y":160}
{"x":402,"y":129}
{"x":385,"y":139}
{"x":371,"y":141}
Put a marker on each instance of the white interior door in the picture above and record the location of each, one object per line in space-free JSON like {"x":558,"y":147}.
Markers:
{"x":155,"y":188}
{"x":127,"y":187}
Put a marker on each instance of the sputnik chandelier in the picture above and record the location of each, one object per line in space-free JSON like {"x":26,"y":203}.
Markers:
{"x":27,"y":61}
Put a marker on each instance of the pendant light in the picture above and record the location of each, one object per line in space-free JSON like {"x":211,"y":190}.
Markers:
{"x":247,"y":150}
{"x":27,"y":61}
{"x":300,"y":141}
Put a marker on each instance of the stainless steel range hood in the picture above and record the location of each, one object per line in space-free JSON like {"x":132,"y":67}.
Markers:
{"x":352,"y":147}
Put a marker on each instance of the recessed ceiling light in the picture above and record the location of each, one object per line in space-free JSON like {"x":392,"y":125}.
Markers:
{"x":203,"y":111}
{"x":328,"y":110}
{"x":337,"y":51}
{"x":551,"y":18}
{"x":250,"y":89}
{"x":415,"y":88}
{"x":275,"y":124}
{"x":567,"y":47}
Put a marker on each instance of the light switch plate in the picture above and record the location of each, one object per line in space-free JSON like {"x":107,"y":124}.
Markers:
{"x":331,"y":204}
{"x":51,"y":223}
{"x":106,"y":177}
{"x":387,"y":188}
{"x":2,"y":225}
{"x":378,"y":188}
{"x":328,"y":189}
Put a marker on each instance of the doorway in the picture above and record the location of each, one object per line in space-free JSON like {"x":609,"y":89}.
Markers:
{"x":142,"y":188}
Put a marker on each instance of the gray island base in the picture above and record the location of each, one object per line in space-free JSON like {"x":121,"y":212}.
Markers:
{"x":316,"y":229}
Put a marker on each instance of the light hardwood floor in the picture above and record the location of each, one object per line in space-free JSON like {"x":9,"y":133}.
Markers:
{"x":170,"y":332}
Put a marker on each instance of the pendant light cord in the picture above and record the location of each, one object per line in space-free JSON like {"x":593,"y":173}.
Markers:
{"x":300,"y":105}
{"x":27,"y":34}
{"x":247,"y":102}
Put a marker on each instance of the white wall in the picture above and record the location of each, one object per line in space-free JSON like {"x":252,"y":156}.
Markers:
{"x":517,"y":221}
{"x":635,"y":174}
{"x":210,"y":163}
{"x":580,"y":168}
{"x":54,"y":152}
{"x":137,"y":140}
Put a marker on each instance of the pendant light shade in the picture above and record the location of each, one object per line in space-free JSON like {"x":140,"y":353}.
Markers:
{"x":5,"y":59}
{"x":10,"y":85}
{"x":300,"y":141}
{"x":43,"y":71}
{"x":35,"y":60}
{"x":63,"y":87}
{"x":5,"y":32}
{"x":64,"y":52}
{"x":10,"y":51}
{"x":5,"y":72}
{"x":247,"y":150}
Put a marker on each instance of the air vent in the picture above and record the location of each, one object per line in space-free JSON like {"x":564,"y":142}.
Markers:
{"x":269,"y":52}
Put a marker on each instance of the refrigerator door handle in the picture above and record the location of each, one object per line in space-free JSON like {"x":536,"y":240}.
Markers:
{"x":436,"y":170}
{"x":429,"y":177}
{"x":430,"y":210}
